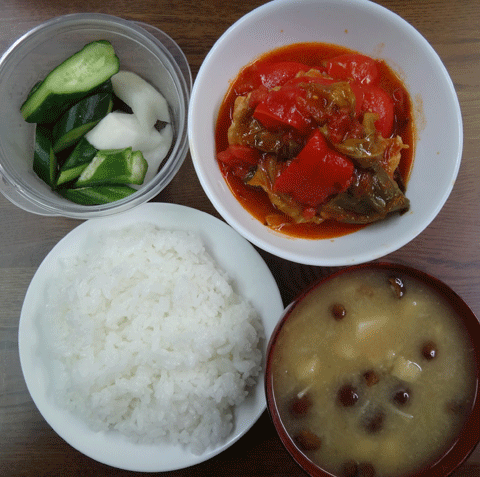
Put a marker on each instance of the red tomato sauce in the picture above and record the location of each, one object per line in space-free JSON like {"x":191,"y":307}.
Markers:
{"x":255,"y":200}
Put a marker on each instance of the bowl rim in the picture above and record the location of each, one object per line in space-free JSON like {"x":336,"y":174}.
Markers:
{"x":178,"y":68}
{"x":281,"y":245}
{"x":469,"y":436}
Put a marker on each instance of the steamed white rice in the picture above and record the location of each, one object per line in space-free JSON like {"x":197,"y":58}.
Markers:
{"x":148,"y":338}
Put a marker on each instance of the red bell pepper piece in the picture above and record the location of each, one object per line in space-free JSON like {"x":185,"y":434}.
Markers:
{"x":316,"y":173}
{"x":268,"y":75}
{"x":277,"y":74}
{"x":239,"y":159}
{"x":360,"y":68}
{"x":376,"y":100}
{"x":257,"y":96}
{"x":281,"y":108}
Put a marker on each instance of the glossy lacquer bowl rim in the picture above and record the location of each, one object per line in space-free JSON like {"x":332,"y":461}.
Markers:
{"x":469,"y":436}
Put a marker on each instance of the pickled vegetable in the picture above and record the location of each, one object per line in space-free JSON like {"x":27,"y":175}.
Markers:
{"x":120,"y":166}
{"x":79,"y":119}
{"x":70,"y":81}
{"x":77,"y":161}
{"x":44,"y":159}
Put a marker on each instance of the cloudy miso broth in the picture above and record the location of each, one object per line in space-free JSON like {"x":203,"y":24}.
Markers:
{"x":373,"y":375}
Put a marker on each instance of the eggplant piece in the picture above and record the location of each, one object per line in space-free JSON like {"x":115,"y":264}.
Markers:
{"x":372,"y":196}
{"x":365,"y":151}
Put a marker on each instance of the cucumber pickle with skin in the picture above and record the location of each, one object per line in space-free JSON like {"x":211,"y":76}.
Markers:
{"x":79,"y":119}
{"x":98,"y":194}
{"x":77,"y":161}
{"x":70,"y":81}
{"x":44,"y":159}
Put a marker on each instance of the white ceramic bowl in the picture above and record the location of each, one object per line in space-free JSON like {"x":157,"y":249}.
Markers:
{"x":141,"y":48}
{"x":366,"y":27}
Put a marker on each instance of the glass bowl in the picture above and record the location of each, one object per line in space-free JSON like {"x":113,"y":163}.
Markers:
{"x":141,"y":48}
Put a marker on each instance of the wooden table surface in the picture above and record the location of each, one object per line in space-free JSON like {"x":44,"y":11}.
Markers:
{"x":448,"y":248}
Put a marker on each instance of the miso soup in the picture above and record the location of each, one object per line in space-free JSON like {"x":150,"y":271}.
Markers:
{"x":373,"y":375}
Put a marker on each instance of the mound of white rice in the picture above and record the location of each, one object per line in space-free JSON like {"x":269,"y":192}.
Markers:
{"x":148,"y":338}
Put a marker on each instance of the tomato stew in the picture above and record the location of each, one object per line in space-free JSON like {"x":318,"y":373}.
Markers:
{"x":317,"y":141}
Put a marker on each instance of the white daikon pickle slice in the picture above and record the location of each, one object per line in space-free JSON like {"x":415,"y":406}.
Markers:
{"x":119,"y":130}
{"x":147,"y":103}
{"x":154,"y":157}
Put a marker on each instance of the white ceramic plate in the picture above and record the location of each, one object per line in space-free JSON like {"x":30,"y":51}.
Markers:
{"x":233,"y":253}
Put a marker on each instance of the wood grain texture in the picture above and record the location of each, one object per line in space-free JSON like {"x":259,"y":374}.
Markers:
{"x":449,"y":248}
